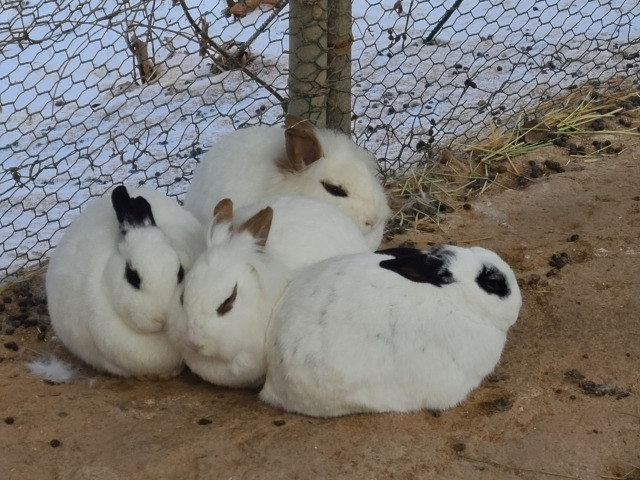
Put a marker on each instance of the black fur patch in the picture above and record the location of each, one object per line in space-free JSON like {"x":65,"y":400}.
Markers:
{"x":132,"y":277}
{"x":131,"y":212}
{"x":422,"y":267}
{"x":493,"y":281}
{"x":399,"y":252}
{"x":180,"y":274}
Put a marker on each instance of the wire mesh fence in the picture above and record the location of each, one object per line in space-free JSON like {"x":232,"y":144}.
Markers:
{"x":99,"y":92}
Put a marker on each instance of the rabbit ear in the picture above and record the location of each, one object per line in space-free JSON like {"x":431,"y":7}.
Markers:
{"x":223,"y":211}
{"x":303,"y":147}
{"x":259,"y":225}
{"x":398,"y":252}
{"x":131,"y":212}
{"x":421,"y":267}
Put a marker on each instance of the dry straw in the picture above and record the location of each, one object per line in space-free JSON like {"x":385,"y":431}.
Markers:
{"x":420,"y":198}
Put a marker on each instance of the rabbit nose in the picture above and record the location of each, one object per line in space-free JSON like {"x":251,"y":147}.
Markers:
{"x":161,"y":320}
{"x":194,"y":345}
{"x":371,"y":222}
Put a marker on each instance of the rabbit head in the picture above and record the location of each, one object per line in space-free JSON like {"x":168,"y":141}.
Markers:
{"x":329,"y":166}
{"x":226,"y":303}
{"x":144,"y":274}
{"x":482,"y":278}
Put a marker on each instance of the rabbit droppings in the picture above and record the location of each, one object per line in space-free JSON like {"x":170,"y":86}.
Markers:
{"x":400,"y":330}
{"x":111,"y":279}
{"x":257,"y":162}
{"x":231,"y":290}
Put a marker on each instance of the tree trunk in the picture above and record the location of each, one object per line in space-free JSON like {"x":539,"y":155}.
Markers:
{"x":308,"y":60}
{"x":339,"y":41}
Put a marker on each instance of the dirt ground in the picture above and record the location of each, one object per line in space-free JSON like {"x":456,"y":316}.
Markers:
{"x":564,"y":401}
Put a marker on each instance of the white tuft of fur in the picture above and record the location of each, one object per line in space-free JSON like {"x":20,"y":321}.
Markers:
{"x":53,"y":370}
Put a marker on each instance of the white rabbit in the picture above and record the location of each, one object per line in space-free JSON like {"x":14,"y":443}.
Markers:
{"x":220,"y":320}
{"x":401,"y":330}
{"x":256,"y":162}
{"x":228,"y":348}
{"x":112,"y":276}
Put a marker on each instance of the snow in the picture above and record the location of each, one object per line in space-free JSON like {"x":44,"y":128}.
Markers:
{"x":73,"y":120}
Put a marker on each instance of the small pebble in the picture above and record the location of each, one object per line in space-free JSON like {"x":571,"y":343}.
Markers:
{"x":55,"y":443}
{"x":11,"y":346}
{"x":279,"y":422}
{"x":9,"y":420}
{"x":205,"y":421}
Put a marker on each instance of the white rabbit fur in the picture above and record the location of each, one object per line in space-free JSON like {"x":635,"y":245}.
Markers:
{"x":228,"y":349}
{"x":352,"y":336}
{"x":305,"y":231}
{"x":257,"y":162}
{"x":97,"y":313}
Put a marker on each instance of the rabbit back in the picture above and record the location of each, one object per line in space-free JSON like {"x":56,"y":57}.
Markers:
{"x":305,"y":231}
{"x":238,"y":166}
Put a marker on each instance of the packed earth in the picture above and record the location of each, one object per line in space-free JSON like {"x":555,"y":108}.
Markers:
{"x":563,"y":402}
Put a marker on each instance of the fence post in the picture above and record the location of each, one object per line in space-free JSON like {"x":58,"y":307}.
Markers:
{"x":308,"y":60}
{"x":339,"y":41}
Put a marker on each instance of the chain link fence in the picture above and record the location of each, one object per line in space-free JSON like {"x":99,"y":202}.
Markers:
{"x":99,"y":92}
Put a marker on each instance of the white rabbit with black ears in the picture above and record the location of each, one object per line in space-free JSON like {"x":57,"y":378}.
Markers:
{"x":112,"y":277}
{"x":257,"y":162}
{"x":233,"y":286}
{"x":400,"y":330}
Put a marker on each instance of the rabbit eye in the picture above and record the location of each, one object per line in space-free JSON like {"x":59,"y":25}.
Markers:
{"x":180,"y":274}
{"x":335,"y":190}
{"x":493,"y":281}
{"x":228,"y":303}
{"x":132,"y":277}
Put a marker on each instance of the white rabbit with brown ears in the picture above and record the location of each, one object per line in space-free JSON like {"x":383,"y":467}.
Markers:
{"x":261,"y":161}
{"x":221,"y":320}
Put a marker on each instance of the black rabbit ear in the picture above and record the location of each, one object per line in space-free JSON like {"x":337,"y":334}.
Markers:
{"x":493,"y":281}
{"x":131,"y":212}
{"x":399,"y":252}
{"x":421,"y":267}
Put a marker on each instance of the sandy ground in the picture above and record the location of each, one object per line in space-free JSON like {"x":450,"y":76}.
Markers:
{"x":564,"y":400}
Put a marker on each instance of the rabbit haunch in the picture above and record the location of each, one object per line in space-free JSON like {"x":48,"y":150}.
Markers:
{"x":112,"y":276}
{"x":399,"y":330}
{"x":231,"y":289}
{"x":257,"y":162}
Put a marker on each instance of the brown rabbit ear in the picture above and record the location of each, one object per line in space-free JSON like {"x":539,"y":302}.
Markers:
{"x":303,"y":147}
{"x":259,"y":225}
{"x":223,"y":211}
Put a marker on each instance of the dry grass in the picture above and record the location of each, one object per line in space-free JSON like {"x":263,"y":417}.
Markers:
{"x":24,"y":276}
{"x":420,"y":198}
